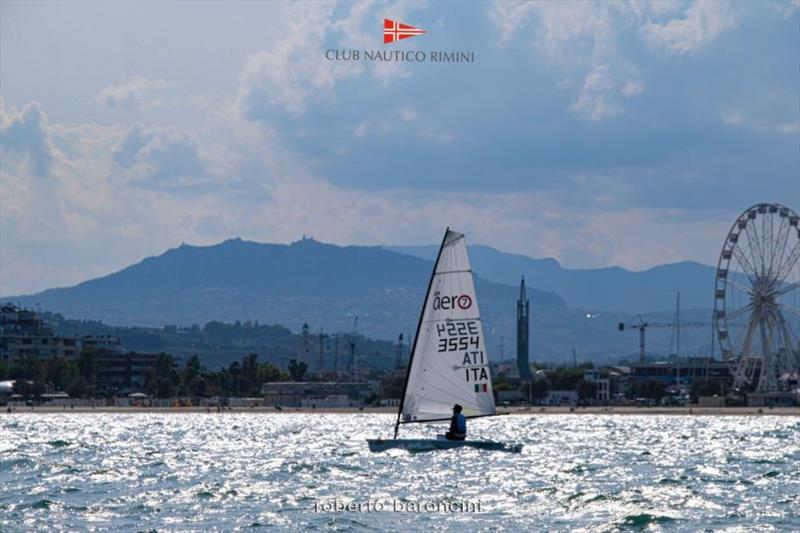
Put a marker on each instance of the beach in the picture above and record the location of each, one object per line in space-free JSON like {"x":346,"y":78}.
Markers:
{"x":521,"y":411}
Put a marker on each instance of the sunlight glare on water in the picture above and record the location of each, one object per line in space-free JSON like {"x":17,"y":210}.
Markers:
{"x":240,"y":471}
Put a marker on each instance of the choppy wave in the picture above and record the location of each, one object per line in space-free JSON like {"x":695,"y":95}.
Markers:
{"x":289,"y":472}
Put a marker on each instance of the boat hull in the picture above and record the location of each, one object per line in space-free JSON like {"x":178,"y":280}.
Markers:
{"x":427,"y":445}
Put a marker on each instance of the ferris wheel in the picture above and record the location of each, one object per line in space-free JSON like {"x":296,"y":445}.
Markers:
{"x":757,"y":299}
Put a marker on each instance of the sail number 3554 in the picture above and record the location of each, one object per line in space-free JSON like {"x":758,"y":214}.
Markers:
{"x":455,"y":336}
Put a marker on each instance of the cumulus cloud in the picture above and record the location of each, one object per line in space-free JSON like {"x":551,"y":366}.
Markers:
{"x":114,"y":197}
{"x":44,"y":222}
{"x":26,"y":133}
{"x":361,"y":129}
{"x":787,"y":9}
{"x":127,"y":150}
{"x":226,"y":158}
{"x":294,"y":73}
{"x":161,"y":158}
{"x":605,"y":89}
{"x":660,"y":8}
{"x":510,"y":17}
{"x":408,"y":114}
{"x":632,"y":88}
{"x":88,"y":222}
{"x":173,"y":155}
{"x":701,"y":24}
{"x":595,"y":101}
{"x":110,"y":203}
{"x":740,"y":121}
{"x":138,"y":93}
{"x":358,"y":30}
{"x":581,"y":38}
{"x":410,"y":125}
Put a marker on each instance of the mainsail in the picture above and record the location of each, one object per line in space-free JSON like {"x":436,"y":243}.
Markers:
{"x":449,"y":364}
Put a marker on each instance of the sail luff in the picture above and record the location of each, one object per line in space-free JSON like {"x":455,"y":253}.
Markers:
{"x":419,"y":327}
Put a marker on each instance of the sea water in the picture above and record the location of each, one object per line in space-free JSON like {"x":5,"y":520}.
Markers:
{"x":291,"y":472}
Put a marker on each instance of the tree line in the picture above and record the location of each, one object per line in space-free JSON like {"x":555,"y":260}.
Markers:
{"x":35,"y":376}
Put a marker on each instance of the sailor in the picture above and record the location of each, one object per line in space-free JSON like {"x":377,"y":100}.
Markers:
{"x":458,"y":425}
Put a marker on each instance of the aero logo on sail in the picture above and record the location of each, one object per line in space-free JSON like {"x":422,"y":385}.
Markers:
{"x":397,"y":31}
{"x":463,"y":301}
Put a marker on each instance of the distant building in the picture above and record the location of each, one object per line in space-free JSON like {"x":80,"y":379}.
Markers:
{"x":390,"y":402}
{"x":523,"y":330}
{"x":711,"y":401}
{"x":773,"y":399}
{"x":561,"y":397}
{"x":304,"y":346}
{"x":509,"y":396}
{"x":603,"y":392}
{"x":334,"y":400}
{"x":123,"y":372}
{"x":24,"y":333}
{"x":294,"y":393}
{"x":683,"y":372}
{"x":108,"y":343}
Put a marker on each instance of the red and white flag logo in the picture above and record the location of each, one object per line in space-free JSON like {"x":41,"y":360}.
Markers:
{"x":397,"y":31}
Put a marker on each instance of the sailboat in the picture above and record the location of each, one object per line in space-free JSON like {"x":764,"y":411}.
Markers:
{"x":448,"y":363}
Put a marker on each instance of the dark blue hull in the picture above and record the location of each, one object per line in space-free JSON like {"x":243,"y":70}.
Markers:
{"x":426,"y":445}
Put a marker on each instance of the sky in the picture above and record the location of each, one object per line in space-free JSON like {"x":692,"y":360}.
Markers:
{"x":598,"y":133}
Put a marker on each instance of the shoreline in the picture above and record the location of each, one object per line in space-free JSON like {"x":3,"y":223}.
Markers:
{"x":512,"y":411}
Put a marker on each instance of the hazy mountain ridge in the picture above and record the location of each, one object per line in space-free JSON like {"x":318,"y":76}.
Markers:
{"x":326,"y":286}
{"x":609,"y":289}
{"x":306,"y":281}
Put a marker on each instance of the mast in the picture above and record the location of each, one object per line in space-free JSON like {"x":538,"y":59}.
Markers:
{"x":523,"y":334}
{"x":678,"y":331}
{"x":416,"y":336}
{"x":678,"y":338}
{"x":336,"y":354}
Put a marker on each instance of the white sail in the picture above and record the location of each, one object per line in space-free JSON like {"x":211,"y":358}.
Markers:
{"x":449,"y":364}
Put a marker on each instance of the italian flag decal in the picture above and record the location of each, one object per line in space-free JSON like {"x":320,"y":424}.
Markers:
{"x":481,"y":387}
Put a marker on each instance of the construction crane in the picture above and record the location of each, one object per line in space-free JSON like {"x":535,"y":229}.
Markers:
{"x":642,"y":326}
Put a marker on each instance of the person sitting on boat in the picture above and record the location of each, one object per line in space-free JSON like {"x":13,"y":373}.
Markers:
{"x":458,"y":425}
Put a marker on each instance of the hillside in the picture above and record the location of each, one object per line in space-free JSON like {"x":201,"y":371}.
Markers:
{"x":610,"y":289}
{"x":327,"y":286}
{"x":306,"y":281}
